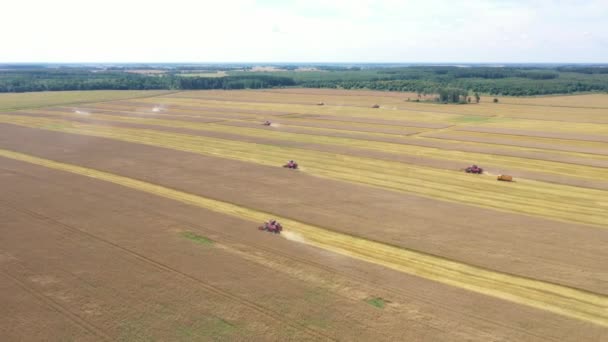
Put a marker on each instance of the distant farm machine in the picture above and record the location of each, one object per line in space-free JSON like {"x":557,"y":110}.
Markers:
{"x":291,"y":165}
{"x":474,"y":169}
{"x":271,"y":226}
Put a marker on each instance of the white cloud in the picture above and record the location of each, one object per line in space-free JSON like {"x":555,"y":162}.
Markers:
{"x":305,"y":30}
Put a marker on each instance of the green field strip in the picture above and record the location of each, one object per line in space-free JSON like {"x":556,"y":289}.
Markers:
{"x":570,"y":302}
{"x":570,"y":170}
{"x":559,"y":202}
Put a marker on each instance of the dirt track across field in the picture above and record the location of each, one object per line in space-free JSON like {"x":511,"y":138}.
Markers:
{"x":109,"y":234}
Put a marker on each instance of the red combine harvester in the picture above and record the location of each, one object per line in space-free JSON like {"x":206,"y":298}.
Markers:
{"x":474,"y":169}
{"x":291,"y":165}
{"x":272,"y":226}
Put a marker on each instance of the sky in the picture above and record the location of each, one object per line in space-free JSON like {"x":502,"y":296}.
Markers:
{"x":350,"y":31}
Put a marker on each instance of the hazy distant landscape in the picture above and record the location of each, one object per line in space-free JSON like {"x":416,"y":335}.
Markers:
{"x":515,"y":80}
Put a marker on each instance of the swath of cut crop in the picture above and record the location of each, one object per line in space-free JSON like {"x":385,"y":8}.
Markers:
{"x":562,"y":300}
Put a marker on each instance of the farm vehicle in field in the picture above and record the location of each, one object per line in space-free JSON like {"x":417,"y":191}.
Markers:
{"x":291,"y":165}
{"x":474,"y":169}
{"x":267,"y":123}
{"x":271,"y":226}
{"x":505,"y":178}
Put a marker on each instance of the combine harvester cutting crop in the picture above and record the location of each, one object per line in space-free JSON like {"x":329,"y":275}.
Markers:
{"x":291,"y":165}
{"x":474,"y":169}
{"x":271,"y":226}
{"x":267,"y":123}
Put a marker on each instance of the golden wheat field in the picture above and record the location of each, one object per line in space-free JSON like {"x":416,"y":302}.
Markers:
{"x":134,"y":216}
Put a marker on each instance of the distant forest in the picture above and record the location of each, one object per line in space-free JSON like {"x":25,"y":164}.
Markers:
{"x":511,"y":80}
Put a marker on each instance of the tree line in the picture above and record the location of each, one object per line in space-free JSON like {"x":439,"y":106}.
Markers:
{"x":515,"y":81}
{"x":56,"y":81}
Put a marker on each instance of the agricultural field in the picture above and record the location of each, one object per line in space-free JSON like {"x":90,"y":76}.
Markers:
{"x":133,"y":217}
{"x":11,"y":101}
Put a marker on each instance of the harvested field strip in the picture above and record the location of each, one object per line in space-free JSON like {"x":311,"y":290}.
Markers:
{"x":577,"y":171}
{"x":515,"y":111}
{"x":393,"y":123}
{"x":568,"y":136}
{"x":580,"y":146}
{"x":176,"y":111}
{"x":13,"y":101}
{"x":164,"y":115}
{"x":311,"y":130}
{"x":120,"y":115}
{"x":201,"y":125}
{"x":545,"y":126}
{"x":309,"y":109}
{"x":530,"y":197}
{"x":566,"y":301}
{"x":367,"y":127}
{"x":164,"y":107}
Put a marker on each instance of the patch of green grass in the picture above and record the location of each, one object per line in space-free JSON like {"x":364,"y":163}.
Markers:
{"x":196,"y":238}
{"x":377,"y":302}
{"x":209,"y":328}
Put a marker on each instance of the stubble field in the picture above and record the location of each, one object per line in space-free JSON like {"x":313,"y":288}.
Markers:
{"x":135,"y":219}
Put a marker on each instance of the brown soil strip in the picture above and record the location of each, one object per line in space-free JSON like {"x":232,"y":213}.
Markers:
{"x":511,"y":243}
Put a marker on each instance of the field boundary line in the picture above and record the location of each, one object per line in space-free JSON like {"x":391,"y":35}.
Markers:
{"x":567,"y":301}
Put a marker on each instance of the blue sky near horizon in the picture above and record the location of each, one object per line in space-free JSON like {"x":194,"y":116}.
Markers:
{"x":432,"y":31}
